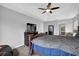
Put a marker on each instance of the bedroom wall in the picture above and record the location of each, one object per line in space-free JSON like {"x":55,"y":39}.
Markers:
{"x":75,"y":23}
{"x":13,"y":25}
{"x":68,"y":24}
{"x":78,"y":18}
{"x":78,"y":22}
{"x":51,"y":23}
{"x":0,"y":28}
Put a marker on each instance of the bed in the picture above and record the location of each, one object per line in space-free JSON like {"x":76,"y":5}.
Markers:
{"x":53,"y":45}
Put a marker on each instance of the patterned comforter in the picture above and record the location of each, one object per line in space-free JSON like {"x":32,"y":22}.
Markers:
{"x":69,"y":44}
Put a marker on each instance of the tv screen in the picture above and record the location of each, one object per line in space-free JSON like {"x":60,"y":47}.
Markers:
{"x":31,"y":27}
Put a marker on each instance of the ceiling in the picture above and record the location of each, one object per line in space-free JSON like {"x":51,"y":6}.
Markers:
{"x":66,"y":10}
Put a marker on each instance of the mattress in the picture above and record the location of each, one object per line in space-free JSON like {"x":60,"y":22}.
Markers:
{"x":67,"y":44}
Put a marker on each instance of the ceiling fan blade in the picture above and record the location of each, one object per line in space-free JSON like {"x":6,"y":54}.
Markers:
{"x":43,"y":12}
{"x":50,"y":11}
{"x":42,"y":8}
{"x":55,"y":8}
{"x":49,"y":5}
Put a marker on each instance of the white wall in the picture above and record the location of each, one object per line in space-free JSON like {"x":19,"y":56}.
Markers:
{"x":13,"y":25}
{"x":78,"y":22}
{"x":68,"y":25}
{"x":75,"y":24}
{"x":77,"y":17}
{"x":51,"y":23}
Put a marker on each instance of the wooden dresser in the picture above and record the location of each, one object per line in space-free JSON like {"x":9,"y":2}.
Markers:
{"x":26,"y":37}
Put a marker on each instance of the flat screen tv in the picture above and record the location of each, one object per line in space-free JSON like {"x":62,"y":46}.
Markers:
{"x":31,"y":27}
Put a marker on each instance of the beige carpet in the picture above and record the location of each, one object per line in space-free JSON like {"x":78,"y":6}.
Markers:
{"x":21,"y":51}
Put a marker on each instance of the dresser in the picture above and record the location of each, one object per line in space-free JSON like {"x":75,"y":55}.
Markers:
{"x":26,"y":37}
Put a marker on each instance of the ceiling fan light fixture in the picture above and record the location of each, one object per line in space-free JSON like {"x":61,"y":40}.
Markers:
{"x":47,"y":10}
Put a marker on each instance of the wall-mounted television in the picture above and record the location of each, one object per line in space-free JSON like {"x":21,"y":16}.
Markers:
{"x":31,"y":27}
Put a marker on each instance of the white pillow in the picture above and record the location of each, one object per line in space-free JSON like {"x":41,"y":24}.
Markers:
{"x":74,"y":34}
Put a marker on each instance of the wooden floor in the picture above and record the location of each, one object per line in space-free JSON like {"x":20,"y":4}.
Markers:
{"x":36,"y":54}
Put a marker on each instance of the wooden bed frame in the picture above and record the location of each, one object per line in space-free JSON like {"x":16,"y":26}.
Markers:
{"x":31,"y":37}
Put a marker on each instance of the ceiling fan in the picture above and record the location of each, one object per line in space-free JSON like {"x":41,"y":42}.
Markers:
{"x":48,"y":9}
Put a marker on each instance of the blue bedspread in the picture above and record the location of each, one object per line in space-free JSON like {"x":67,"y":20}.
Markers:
{"x":50,"y":51}
{"x":56,"y":45}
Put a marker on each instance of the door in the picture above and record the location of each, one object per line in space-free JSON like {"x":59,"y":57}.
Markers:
{"x":51,"y":30}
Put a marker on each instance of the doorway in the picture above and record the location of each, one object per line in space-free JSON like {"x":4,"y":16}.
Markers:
{"x":51,"y":30}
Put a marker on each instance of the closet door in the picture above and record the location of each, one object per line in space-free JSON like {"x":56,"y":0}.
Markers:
{"x":51,"y":30}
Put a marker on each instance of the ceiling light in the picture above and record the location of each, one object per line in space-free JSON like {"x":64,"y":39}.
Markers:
{"x":47,"y":10}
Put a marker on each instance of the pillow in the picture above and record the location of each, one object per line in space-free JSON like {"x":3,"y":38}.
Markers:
{"x":77,"y":35}
{"x":74,"y":34}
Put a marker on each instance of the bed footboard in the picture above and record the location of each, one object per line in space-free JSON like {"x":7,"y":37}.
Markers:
{"x":31,"y":37}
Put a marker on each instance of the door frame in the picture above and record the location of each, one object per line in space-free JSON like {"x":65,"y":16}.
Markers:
{"x":49,"y":28}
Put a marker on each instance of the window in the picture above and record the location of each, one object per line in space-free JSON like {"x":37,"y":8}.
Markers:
{"x":62,"y":29}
